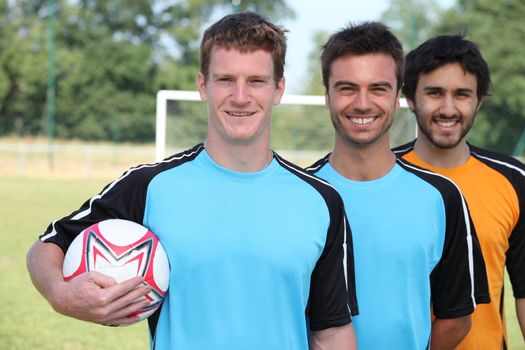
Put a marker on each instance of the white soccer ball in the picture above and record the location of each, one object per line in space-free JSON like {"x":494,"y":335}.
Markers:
{"x":121,"y":249}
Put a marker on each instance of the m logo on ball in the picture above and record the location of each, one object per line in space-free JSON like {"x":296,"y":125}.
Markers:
{"x":121,"y":249}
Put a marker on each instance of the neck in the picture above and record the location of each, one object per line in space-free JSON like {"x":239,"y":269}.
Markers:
{"x":362,"y":163}
{"x":239,"y":157}
{"x":441,"y":157}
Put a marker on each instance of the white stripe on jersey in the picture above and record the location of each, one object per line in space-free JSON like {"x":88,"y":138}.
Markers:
{"x":508,"y":165}
{"x":467,"y":224}
{"x":87,"y":211}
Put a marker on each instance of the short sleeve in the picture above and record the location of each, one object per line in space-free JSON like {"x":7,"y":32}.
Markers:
{"x":332,"y":299}
{"x":459,"y":280}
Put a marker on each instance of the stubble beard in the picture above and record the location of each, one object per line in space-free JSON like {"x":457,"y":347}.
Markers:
{"x":435,"y":140}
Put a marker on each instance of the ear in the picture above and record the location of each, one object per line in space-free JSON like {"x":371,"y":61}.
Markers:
{"x":479,"y":104}
{"x":326,"y":100}
{"x":411,"y":104}
{"x":279,"y":91}
{"x":200,"y":81}
{"x":398,"y":103}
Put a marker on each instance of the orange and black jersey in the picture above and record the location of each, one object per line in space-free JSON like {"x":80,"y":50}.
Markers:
{"x":494,"y":188}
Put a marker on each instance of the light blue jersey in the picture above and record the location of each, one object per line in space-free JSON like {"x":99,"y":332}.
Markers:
{"x":255,"y":258}
{"x":412,"y":247}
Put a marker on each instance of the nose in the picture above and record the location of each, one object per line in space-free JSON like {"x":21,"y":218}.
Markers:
{"x":362,"y":101}
{"x":241,"y":93}
{"x":448,"y":106}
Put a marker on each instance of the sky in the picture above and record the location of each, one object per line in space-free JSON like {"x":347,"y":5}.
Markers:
{"x":327,"y":15}
{"x":315,"y":15}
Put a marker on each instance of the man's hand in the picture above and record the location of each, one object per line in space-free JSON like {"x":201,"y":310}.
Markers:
{"x":92,"y":296}
{"x":97,"y":298}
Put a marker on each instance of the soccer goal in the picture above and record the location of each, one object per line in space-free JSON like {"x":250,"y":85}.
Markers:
{"x":301,"y":127}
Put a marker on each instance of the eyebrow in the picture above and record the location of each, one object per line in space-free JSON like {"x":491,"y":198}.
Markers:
{"x":373,"y":85}
{"x":228,"y":75}
{"x":439,"y":88}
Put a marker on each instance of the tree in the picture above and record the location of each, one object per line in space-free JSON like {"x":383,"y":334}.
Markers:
{"x":412,"y":20}
{"x":112,"y":57}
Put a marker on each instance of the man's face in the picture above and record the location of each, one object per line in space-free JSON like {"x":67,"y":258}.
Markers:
{"x":240,"y":92}
{"x":445,"y":104}
{"x":362,"y":98}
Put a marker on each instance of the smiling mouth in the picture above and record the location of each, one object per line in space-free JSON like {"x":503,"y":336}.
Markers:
{"x":240,"y":114}
{"x":446,"y":123}
{"x":361,"y":121}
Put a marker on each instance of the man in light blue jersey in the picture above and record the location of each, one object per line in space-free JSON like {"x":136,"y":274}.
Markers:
{"x":260,"y":251}
{"x":414,"y":245}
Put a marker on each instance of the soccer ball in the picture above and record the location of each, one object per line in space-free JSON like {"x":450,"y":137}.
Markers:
{"x":121,"y":249}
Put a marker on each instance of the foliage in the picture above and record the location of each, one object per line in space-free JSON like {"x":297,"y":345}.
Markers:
{"x":411,"y":20}
{"x":112,"y":56}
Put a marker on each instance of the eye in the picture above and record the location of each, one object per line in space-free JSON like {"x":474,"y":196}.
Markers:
{"x":434,"y":93}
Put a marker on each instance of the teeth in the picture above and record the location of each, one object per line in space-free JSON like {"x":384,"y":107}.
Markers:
{"x":446,"y":124}
{"x":361,"y":121}
{"x":240,"y":114}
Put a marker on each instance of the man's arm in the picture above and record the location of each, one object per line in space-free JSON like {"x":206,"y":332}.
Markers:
{"x":334,"y":338}
{"x":520,"y":313}
{"x":448,"y":332}
{"x":92,"y":296}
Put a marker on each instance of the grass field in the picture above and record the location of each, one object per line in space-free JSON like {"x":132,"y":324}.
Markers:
{"x":27,"y":321}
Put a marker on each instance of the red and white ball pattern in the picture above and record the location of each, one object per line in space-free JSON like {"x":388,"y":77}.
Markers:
{"x":121,"y":249}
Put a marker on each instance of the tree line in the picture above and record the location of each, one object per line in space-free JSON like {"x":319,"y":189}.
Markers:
{"x":112,"y":56}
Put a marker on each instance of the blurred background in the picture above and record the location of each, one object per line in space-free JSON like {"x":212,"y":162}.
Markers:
{"x":78,"y":85}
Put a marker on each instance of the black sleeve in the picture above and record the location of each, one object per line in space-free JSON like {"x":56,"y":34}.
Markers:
{"x":516,"y":253}
{"x":332,"y":298}
{"x":459,"y":281}
{"x":123,"y":198}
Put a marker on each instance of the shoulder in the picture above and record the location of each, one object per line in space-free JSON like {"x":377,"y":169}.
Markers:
{"x":497,"y":161}
{"x":445,"y":186}
{"x":145,"y":172}
{"x":323,"y":187}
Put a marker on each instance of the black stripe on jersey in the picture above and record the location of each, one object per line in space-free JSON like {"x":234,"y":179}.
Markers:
{"x":126,"y":196}
{"x":312,"y":169}
{"x":404,"y":149}
{"x":338,"y":223}
{"x":514,"y":171}
{"x":461,"y":243}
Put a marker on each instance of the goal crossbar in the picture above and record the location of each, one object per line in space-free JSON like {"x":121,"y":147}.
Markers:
{"x":163,"y":96}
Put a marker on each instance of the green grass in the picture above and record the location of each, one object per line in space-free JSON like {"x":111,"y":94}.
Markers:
{"x":27,"y":321}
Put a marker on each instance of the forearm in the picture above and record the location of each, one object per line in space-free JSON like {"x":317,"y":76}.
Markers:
{"x":335,"y":338}
{"x":447,"y":333}
{"x":520,"y":313}
{"x":44,"y":263}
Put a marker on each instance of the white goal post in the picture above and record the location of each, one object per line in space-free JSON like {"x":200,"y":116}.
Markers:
{"x":163,"y":96}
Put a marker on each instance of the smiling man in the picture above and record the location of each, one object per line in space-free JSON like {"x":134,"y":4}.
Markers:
{"x":446,"y":80}
{"x":414,"y":245}
{"x":260,"y":251}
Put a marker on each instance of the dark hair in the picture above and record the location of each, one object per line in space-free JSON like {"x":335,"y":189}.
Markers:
{"x":442,"y":50}
{"x":362,"y":39}
{"x":245,"y":32}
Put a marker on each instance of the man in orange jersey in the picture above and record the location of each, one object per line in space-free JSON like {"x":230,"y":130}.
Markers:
{"x":446,"y":80}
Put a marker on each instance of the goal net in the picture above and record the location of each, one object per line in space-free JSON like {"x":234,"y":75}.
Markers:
{"x":301,"y":128}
